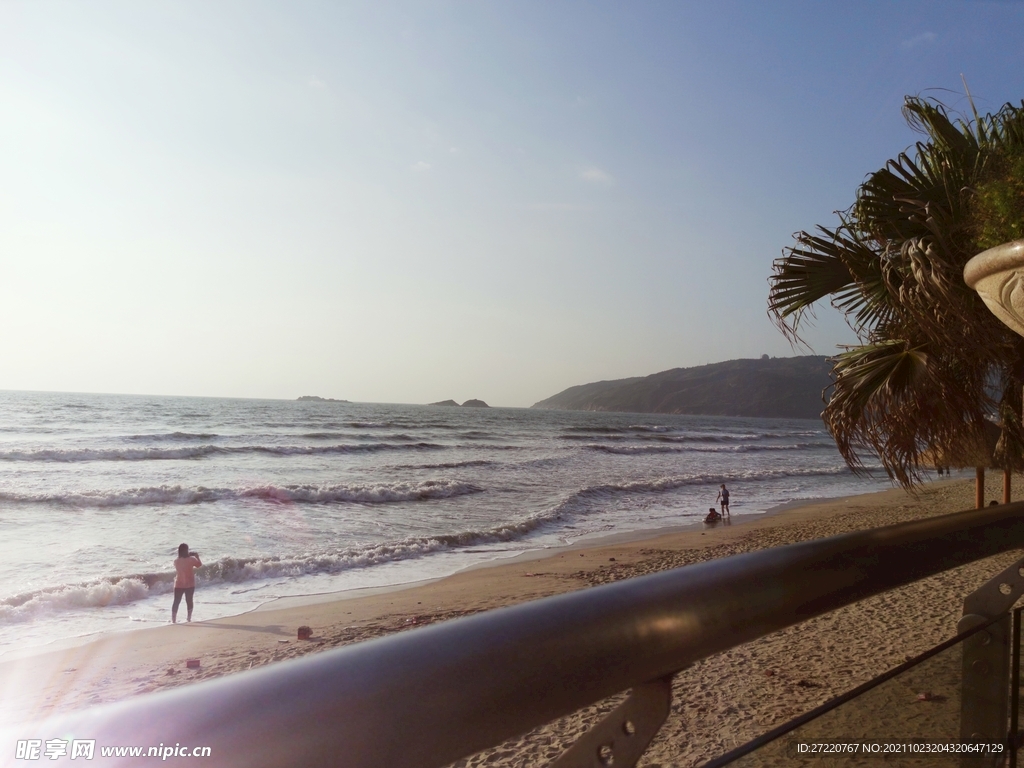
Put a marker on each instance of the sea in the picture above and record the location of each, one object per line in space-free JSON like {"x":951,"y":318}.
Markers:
{"x":285,"y":498}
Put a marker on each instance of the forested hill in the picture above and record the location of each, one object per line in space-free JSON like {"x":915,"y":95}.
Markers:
{"x":780,"y":387}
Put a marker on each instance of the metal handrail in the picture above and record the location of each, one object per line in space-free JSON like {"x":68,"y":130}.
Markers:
{"x":429,"y":696}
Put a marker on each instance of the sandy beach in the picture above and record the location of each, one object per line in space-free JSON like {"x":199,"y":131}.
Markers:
{"x":718,"y":704}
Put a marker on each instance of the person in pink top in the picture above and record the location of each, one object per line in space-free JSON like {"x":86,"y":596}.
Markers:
{"x":184,"y":580}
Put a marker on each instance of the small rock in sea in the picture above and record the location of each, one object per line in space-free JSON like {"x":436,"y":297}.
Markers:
{"x":611,"y":559}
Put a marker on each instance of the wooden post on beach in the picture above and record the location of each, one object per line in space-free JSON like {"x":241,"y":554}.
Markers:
{"x":1006,"y":486}
{"x":979,"y":487}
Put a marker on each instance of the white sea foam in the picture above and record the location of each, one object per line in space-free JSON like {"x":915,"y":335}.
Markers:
{"x":313,"y":494}
{"x":577,"y":503}
{"x":639,"y":450}
{"x":127,"y":589}
{"x":71,"y":597}
{"x":203,"y":451}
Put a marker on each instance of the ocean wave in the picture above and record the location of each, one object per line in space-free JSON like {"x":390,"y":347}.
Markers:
{"x":449,"y":464}
{"x":491,"y":447}
{"x":634,"y":450}
{"x":174,"y":436}
{"x":310,"y":494}
{"x":637,"y":450}
{"x":580,"y":501}
{"x":661,"y":437}
{"x":117,"y":590}
{"x":201,"y":451}
{"x":756,"y":448}
{"x":123,"y":590}
{"x":336,"y":435}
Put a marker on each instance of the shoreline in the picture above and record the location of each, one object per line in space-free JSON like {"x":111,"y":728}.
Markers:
{"x":319,"y":598}
{"x":596,"y":541}
{"x":870,"y":639}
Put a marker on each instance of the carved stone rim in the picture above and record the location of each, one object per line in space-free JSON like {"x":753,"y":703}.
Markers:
{"x":993,"y":261}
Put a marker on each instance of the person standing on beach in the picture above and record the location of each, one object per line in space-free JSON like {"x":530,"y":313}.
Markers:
{"x":184,"y":580}
{"x":723,"y":496}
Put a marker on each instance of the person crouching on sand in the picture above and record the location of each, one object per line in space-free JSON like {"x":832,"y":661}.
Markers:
{"x":184,"y":580}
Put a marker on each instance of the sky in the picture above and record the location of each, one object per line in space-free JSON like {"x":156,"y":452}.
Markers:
{"x":414,"y":201}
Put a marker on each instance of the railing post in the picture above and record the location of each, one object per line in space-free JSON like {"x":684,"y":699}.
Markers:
{"x":984,"y":704}
{"x":1015,"y":689}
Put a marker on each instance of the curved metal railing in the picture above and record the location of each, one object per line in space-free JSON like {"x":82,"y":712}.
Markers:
{"x":429,"y":696}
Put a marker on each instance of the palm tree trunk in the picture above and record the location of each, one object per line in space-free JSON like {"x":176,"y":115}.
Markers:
{"x":979,"y":487}
{"x":1006,"y":486}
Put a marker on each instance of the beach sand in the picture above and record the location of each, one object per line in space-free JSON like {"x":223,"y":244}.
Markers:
{"x":718,"y":704}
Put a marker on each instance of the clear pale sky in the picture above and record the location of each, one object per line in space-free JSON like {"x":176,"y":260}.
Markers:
{"x":407,"y":202}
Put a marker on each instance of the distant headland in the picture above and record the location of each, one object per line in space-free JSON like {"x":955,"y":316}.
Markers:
{"x":467,"y":404}
{"x":777,"y":387}
{"x":318,"y":399}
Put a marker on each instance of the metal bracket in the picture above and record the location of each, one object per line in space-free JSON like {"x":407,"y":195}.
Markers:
{"x":986,"y":661}
{"x":995,"y":596}
{"x":621,"y":738}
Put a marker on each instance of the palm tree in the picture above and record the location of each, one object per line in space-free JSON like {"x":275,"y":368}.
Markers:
{"x":919,"y":384}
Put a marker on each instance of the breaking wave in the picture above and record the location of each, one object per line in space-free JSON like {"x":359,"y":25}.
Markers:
{"x":658,"y":436}
{"x":381,"y":493}
{"x":636,"y":450}
{"x":202,"y":451}
{"x":449,"y":464}
{"x":122,"y":590}
{"x":175,"y":436}
{"x":580,"y":501}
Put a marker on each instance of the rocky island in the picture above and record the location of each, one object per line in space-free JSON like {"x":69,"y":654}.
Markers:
{"x":318,"y":399}
{"x":467,"y":404}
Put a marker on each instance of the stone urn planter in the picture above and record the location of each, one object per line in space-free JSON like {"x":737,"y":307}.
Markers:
{"x":998,"y":276}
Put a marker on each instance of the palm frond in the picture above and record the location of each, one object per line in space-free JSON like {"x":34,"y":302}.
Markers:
{"x":917,"y":384}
